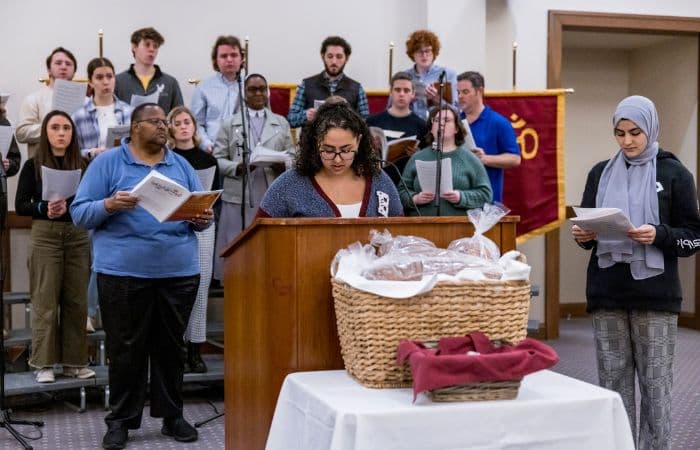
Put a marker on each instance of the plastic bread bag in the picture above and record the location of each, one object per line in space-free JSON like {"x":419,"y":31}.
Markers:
{"x":395,"y":268}
{"x":483,"y":220}
{"x":386,"y":244}
{"x":353,"y":259}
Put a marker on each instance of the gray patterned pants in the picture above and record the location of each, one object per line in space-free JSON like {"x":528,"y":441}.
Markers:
{"x":641,"y":342}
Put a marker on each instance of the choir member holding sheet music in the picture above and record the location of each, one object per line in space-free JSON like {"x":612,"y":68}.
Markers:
{"x":633,"y":288}
{"x":11,"y":157}
{"x":272,"y":149}
{"x":465,"y":184}
{"x":100,"y":112}
{"x":184,"y":140}
{"x":423,"y":47}
{"x":61,"y":65}
{"x":147,"y":276}
{"x":399,"y":122}
{"x":144,"y":82}
{"x":58,"y":255}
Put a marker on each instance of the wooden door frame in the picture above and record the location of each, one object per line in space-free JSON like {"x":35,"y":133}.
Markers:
{"x":560,"y":21}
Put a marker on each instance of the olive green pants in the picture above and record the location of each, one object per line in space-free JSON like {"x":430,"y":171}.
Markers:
{"x":59,"y":269}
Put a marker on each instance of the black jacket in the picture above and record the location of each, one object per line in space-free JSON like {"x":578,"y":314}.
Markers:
{"x":678,"y":234}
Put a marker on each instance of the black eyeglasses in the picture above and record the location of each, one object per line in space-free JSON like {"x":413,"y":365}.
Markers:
{"x":329,"y":155}
{"x":155,"y":122}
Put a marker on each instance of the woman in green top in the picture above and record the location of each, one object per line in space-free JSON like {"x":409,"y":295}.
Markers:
{"x":470,"y":183}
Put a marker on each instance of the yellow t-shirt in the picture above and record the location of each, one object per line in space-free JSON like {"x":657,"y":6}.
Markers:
{"x":145,"y":79}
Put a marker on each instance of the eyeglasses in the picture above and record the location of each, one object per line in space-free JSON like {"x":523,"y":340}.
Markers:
{"x":155,"y":122}
{"x":425,"y":51}
{"x":329,"y":155}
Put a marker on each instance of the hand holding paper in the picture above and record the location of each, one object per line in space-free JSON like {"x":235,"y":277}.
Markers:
{"x":609,"y":224}
{"x":426,"y":175}
{"x":58,"y":184}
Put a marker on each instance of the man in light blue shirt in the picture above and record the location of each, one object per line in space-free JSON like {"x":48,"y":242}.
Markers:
{"x":217,"y":98}
{"x":147,"y":277}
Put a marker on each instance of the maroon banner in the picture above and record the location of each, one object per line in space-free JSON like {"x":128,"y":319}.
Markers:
{"x":534,"y":190}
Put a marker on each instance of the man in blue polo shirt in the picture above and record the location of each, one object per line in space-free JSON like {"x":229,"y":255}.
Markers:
{"x":147,"y":277}
{"x":493,"y":135}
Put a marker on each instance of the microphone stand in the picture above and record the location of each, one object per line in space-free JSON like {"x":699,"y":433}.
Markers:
{"x":402,"y":183}
{"x":438,"y":147}
{"x":244,"y":149}
{"x":6,"y":420}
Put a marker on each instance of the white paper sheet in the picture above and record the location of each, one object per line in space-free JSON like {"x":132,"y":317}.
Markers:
{"x":68,"y":96}
{"x":58,"y":184}
{"x":137,"y":100}
{"x":426,"y":175}
{"x":206,"y":177}
{"x":469,"y":138}
{"x":159,"y":195}
{"x":263,"y":156}
{"x":318,"y":103}
{"x":6,"y":133}
{"x":393,"y":134}
{"x":115,"y":134}
{"x":609,"y":223}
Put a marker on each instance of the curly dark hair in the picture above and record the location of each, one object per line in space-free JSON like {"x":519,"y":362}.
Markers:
{"x":460,"y":131}
{"x":422,"y":38}
{"x":336,"y":41}
{"x":336,"y":115}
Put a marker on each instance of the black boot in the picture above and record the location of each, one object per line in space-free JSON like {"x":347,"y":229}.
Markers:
{"x":195,"y":364}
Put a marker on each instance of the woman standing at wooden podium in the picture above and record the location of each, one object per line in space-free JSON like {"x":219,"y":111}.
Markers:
{"x":336,"y":172}
{"x":633,"y":290}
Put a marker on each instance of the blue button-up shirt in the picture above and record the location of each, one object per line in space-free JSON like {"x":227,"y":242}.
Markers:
{"x":419,"y":105}
{"x":214,"y":100}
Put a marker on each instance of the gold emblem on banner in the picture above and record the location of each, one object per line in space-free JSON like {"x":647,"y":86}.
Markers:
{"x":527,"y":138}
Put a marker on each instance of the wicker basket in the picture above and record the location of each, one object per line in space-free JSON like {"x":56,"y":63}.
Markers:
{"x":370,"y":327}
{"x":495,"y":390}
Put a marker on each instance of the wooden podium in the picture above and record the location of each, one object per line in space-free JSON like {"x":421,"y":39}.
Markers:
{"x":279,"y":315}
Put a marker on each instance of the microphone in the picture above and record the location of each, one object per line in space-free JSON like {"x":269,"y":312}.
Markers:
{"x":402,"y":182}
{"x":442,"y":76}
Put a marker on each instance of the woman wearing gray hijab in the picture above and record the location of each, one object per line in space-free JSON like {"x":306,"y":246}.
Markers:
{"x":633,"y":290}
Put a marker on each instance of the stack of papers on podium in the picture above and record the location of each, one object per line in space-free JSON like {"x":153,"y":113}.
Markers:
{"x":167,"y":200}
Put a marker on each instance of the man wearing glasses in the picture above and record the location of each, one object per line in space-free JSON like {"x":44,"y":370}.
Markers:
{"x":423,"y":47}
{"x":272,"y":150}
{"x":147,"y":277}
{"x":313,"y":91}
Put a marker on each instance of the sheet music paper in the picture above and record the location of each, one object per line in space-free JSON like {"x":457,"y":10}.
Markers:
{"x":469,"y":138}
{"x":68,"y":96}
{"x":263,"y":157}
{"x":426,"y":175}
{"x":206,"y":177}
{"x":393,"y":134}
{"x":6,"y":133}
{"x":610,"y":224}
{"x":58,"y":184}
{"x":115,"y":135}
{"x":137,"y":100}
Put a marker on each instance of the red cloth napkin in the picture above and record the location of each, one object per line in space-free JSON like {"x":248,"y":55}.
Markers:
{"x":450,"y":365}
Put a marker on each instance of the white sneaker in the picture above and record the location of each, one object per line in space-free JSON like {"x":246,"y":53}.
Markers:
{"x":45,"y":376}
{"x":89,"y":327}
{"x":78,"y":372}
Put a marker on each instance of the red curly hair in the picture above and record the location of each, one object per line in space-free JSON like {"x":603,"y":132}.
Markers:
{"x":422,"y":38}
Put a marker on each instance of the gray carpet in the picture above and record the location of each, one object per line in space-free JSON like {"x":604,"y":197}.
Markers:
{"x":577,"y":359}
{"x":66,"y":429}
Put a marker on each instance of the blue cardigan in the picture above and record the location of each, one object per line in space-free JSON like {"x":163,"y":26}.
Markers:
{"x":296,"y":195}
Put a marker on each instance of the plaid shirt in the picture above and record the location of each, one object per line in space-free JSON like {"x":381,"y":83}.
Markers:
{"x":86,"y":123}
{"x":297,"y":113}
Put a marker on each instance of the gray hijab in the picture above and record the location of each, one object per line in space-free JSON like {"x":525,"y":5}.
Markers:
{"x":630,"y":184}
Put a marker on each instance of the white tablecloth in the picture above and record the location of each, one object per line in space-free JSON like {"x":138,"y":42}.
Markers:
{"x":329,"y":410}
